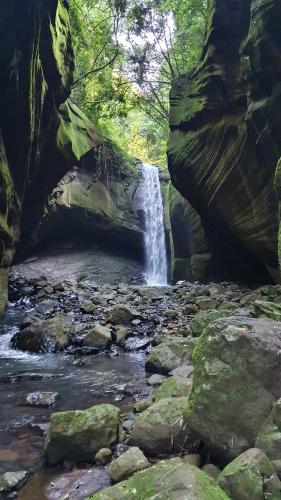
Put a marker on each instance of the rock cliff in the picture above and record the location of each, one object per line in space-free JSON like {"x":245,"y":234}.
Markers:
{"x":225,"y":136}
{"x":37,"y":123}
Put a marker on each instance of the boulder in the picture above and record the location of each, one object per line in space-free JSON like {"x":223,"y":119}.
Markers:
{"x":12,"y":481}
{"x":206,"y":303}
{"x":121,"y":314}
{"x":169,"y":479}
{"x":79,"y":435}
{"x":99,"y":337}
{"x":103,"y":456}
{"x":173,"y":387}
{"x":262,"y":309}
{"x":161,"y":429}
{"x":251,"y":476}
{"x":236,"y":380}
{"x":48,"y":335}
{"x":170,"y":355}
{"x":200,"y":321}
{"x":133,"y":460}
{"x":269,"y":436}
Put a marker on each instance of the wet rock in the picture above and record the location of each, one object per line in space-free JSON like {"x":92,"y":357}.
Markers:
{"x":236,"y":380}
{"x":171,"y":314}
{"x":133,"y":460}
{"x":170,"y":355}
{"x":173,"y":387}
{"x":98,"y":337}
{"x":160,"y":429}
{"x":269,"y":436}
{"x":46,"y":306}
{"x":12,"y":481}
{"x":135,"y":344}
{"x":59,"y":287}
{"x":263,"y":309}
{"x":156,"y":379}
{"x":48,"y":335}
{"x":165,"y":480}
{"x":251,"y":476}
{"x":77,"y":484}
{"x":190,"y":309}
{"x":103,"y":456}
{"x":41,"y":399}
{"x":79,"y":435}
{"x":121,"y":314}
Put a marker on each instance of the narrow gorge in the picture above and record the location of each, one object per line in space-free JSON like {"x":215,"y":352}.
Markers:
{"x":140,"y":291}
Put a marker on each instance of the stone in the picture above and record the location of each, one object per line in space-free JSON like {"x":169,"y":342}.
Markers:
{"x":190,"y":309}
{"x":48,"y":335}
{"x":99,"y":337}
{"x":269,"y":436}
{"x":171,"y":314}
{"x":201,"y":321}
{"x":173,"y":387}
{"x":160,"y":429}
{"x":103,"y":456}
{"x":12,"y":481}
{"x":88,"y":307}
{"x":205,"y":303}
{"x":155,"y":379}
{"x":166,"y":480}
{"x":170,"y":355}
{"x":211,"y":470}
{"x":78,"y":484}
{"x":121,"y":314}
{"x":79,"y":435}
{"x":136,"y":344}
{"x":46,"y":306}
{"x":262,"y":309}
{"x":236,"y":380}
{"x":133,"y":460}
{"x":42,"y":399}
{"x":121,"y":333}
{"x":246,"y":478}
{"x":277,"y":466}
{"x":183,"y":371}
{"x":141,"y":405}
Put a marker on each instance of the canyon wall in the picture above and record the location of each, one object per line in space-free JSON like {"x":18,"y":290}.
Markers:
{"x":225,"y":138}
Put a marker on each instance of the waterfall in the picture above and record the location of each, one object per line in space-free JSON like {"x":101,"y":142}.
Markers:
{"x":155,"y":247}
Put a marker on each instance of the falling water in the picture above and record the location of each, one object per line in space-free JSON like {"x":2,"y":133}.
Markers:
{"x":155,"y":248}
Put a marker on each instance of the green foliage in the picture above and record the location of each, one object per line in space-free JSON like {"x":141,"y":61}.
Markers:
{"x":128,"y":54}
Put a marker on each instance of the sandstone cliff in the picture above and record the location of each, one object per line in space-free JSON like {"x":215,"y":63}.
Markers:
{"x":225,"y":136}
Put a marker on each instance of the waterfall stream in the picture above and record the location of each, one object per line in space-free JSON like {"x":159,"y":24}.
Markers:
{"x":155,"y":247}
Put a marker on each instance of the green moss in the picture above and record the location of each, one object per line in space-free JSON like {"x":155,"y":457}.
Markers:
{"x":172,"y":387}
{"x":165,"y":480}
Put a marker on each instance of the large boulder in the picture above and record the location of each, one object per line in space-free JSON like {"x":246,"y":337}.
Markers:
{"x":201,"y":321}
{"x":170,"y":354}
{"x":269,"y":436}
{"x":48,"y":335}
{"x":161,"y":429}
{"x":79,"y":435}
{"x":170,"y":479}
{"x":251,"y":476}
{"x":224,"y":121}
{"x":236,"y":380}
{"x":121,"y":314}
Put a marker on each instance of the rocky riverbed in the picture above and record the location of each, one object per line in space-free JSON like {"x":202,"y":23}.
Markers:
{"x":188,"y":371}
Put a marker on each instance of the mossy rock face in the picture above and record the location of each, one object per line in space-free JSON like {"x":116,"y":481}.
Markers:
{"x":251,"y":476}
{"x":263,"y":309}
{"x":201,"y":321}
{"x":79,"y":435}
{"x":217,"y":119}
{"x":170,"y":354}
{"x":168,"y":480}
{"x":269,"y":436}
{"x":161,"y":429}
{"x":173,"y":387}
{"x":235,"y":382}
